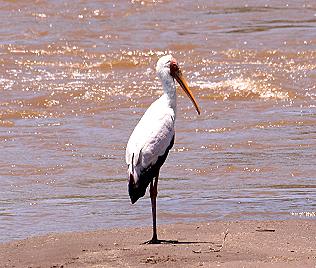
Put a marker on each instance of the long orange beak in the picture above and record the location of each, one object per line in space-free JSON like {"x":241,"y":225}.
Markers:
{"x":180,"y":79}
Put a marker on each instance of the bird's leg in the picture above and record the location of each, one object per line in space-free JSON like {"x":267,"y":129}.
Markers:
{"x":153,"y":197}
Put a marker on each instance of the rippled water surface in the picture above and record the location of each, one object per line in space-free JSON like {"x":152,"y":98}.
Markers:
{"x":76,"y":76}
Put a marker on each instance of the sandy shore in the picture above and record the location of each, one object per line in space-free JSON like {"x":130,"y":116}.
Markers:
{"x":247,"y":244}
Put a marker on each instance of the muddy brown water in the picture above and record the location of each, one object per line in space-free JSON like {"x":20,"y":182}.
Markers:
{"x":76,"y":76}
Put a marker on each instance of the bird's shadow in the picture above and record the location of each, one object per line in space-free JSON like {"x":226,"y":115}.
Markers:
{"x":175,"y":242}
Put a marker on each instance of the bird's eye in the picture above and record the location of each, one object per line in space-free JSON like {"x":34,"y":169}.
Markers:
{"x":168,"y":63}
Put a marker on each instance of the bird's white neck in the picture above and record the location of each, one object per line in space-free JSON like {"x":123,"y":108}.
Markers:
{"x":170,"y":93}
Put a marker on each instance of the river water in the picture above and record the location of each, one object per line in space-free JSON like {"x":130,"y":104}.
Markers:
{"x":76,"y":76}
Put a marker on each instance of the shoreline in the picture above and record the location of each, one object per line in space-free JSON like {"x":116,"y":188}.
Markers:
{"x":280,"y":243}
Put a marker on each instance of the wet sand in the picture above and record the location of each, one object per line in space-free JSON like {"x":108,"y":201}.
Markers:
{"x":289,"y":243}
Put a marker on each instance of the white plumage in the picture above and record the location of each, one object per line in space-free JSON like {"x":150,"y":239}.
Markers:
{"x":153,"y":136}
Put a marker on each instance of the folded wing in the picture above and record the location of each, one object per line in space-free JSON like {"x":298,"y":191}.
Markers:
{"x":148,"y":148}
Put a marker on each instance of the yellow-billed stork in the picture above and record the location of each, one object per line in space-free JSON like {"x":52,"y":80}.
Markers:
{"x":153,"y":137}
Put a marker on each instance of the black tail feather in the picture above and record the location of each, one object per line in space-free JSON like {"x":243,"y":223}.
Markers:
{"x":136,"y":192}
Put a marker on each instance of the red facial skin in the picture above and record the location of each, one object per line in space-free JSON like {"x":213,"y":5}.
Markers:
{"x":174,"y":68}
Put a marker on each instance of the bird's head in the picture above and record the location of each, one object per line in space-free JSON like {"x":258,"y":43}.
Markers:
{"x":168,"y":69}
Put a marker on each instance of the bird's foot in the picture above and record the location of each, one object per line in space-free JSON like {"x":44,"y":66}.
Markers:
{"x":157,"y":241}
{"x":154,"y":240}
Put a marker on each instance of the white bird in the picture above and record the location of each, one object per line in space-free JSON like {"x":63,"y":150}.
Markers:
{"x":153,"y":137}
